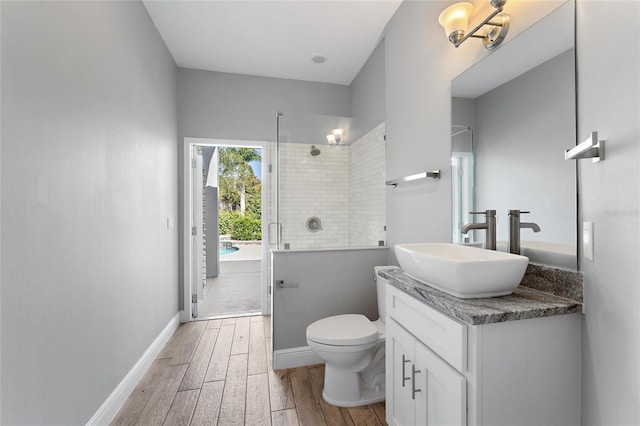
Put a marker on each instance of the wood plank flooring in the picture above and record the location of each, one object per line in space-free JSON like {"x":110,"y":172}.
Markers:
{"x":218,"y":372}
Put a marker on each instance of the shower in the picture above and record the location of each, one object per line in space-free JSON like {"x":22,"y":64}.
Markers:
{"x":325,"y":197}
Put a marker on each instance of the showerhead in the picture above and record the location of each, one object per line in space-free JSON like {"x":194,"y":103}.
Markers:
{"x":314,"y":151}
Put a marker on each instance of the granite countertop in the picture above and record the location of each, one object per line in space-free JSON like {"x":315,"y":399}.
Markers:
{"x":524,"y":303}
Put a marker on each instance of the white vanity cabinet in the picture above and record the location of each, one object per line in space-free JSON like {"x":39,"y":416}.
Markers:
{"x":441,"y":371}
{"x":426,"y":390}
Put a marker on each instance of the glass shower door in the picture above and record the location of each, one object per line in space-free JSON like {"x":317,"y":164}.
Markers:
{"x":330,"y":178}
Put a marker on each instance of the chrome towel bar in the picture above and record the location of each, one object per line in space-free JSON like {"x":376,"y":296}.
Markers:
{"x":590,"y":148}
{"x":394,"y":182}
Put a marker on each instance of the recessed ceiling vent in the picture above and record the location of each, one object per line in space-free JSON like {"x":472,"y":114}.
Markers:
{"x":319,"y":58}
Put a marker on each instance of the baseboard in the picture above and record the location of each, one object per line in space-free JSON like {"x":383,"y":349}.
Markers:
{"x":114,"y":402}
{"x":294,"y":357}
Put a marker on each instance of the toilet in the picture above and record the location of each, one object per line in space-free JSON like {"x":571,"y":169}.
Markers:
{"x":352,"y":348}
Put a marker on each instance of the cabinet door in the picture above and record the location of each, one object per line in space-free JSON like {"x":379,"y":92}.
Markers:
{"x":440,"y":391}
{"x":399,"y":353}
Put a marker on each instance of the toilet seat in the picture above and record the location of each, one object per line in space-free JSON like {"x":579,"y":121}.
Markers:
{"x":343,"y":330}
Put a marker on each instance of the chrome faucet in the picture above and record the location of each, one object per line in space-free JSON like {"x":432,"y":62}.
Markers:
{"x":489,"y":226}
{"x":514,"y":230}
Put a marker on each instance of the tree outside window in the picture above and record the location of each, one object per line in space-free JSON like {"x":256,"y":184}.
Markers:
{"x":240,"y":193}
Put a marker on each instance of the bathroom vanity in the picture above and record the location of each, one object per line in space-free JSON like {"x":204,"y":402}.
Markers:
{"x":493,"y":361}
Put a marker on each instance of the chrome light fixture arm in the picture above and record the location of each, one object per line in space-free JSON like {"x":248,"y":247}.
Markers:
{"x":473,"y":32}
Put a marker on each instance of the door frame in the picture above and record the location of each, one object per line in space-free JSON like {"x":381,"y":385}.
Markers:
{"x":187,"y":206}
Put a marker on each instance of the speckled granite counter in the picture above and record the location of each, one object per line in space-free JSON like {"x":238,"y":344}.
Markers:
{"x":558,"y":281}
{"x":522,"y":304}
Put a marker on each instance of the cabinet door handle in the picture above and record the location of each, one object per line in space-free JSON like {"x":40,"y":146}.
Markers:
{"x":404,"y":361}
{"x":414,"y":391}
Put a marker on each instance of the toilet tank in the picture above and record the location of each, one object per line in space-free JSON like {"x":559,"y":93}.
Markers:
{"x":381,"y":288}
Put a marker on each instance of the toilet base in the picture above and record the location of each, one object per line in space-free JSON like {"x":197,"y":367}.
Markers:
{"x":348,"y":389}
{"x":369,"y":396}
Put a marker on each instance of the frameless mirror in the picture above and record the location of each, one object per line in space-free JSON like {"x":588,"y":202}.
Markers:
{"x":513,"y":114}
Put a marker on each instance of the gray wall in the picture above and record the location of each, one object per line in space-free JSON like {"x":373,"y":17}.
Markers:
{"x":211,"y":227}
{"x":521,"y":129}
{"x":608,"y":46}
{"x":417,"y":123}
{"x":329,"y":282}
{"x":89,"y":161}
{"x":417,"y":117}
{"x":230,"y":106}
{"x":366,"y":91}
{"x":210,"y":217}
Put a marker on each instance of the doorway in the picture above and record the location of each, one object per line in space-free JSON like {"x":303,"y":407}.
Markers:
{"x":226,"y":209}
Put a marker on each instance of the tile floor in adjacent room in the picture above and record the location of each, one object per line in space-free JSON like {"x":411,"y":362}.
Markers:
{"x":218,"y":372}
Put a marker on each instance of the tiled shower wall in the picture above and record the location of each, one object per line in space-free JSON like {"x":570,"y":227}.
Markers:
{"x":367,"y":192}
{"x":314,"y":186}
{"x":343,"y":186}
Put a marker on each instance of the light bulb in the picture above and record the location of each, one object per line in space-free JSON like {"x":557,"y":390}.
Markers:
{"x":455,"y":19}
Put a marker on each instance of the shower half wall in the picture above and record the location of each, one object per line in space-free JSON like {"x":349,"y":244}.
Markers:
{"x":335,"y":197}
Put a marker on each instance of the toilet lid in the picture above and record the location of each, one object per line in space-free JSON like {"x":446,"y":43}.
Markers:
{"x":343,"y":330}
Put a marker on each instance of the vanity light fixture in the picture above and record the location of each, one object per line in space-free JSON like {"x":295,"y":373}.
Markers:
{"x":335,"y":137}
{"x":455,"y":19}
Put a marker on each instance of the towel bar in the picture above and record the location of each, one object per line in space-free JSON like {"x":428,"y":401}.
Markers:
{"x":590,"y":148}
{"x":434,"y":175}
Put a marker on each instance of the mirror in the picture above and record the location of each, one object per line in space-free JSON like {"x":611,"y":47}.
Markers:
{"x":513,"y":114}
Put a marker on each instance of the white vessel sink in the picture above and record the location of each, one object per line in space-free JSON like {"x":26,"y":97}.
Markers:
{"x":462,"y":271}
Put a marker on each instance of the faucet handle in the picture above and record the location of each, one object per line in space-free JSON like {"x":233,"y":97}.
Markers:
{"x":517,"y":212}
{"x":487,"y":213}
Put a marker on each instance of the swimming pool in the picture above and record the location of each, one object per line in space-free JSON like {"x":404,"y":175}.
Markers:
{"x":227,"y":250}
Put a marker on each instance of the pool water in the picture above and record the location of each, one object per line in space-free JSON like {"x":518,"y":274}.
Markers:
{"x":227,"y":250}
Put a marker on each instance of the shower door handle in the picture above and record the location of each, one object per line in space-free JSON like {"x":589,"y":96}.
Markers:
{"x":277,"y":233}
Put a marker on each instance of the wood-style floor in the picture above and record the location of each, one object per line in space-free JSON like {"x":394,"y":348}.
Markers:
{"x":219,"y":372}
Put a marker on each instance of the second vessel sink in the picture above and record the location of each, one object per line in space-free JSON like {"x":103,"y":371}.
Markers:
{"x":462,"y":271}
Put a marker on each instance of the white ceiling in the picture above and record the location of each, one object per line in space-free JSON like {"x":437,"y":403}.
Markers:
{"x":273,"y":38}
